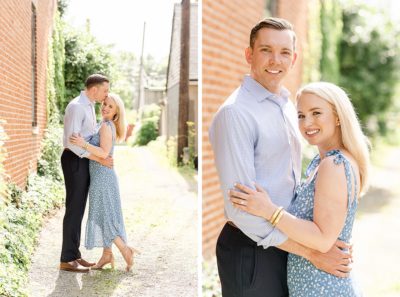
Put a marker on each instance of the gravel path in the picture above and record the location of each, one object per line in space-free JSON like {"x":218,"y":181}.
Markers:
{"x":376,"y":234}
{"x":160,"y":211}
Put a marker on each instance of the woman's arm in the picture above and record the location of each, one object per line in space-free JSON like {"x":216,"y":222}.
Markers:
{"x":330,"y":208}
{"x":105,"y":142}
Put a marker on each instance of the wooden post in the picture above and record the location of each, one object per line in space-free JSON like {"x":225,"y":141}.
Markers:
{"x":184,"y":80}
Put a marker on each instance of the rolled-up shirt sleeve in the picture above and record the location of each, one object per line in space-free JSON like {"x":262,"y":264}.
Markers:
{"x":233,"y":140}
{"x":73,"y":121}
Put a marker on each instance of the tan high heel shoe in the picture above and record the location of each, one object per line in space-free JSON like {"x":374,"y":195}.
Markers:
{"x":106,"y":258}
{"x":129,"y":258}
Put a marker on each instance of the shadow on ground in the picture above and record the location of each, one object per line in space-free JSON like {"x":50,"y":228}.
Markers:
{"x":94,"y":283}
{"x":375,"y":199}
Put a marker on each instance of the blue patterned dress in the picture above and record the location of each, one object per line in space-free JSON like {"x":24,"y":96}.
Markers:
{"x":304,"y":279}
{"x":105,"y":220}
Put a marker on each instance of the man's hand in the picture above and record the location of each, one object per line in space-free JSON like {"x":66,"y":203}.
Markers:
{"x":336,"y":261}
{"x":108,"y":162}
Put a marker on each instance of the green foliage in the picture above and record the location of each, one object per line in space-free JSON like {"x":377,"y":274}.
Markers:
{"x":21,"y":217}
{"x":58,"y":45}
{"x":49,"y":162}
{"x":312,"y":49}
{"x":83,"y":56}
{"x":192,"y":143}
{"x":369,"y":64}
{"x":124,"y":72}
{"x":331,"y":29}
{"x":211,"y":285}
{"x":172,"y":151}
{"x":55,"y":72}
{"x":62,"y":6}
{"x":148,"y":130}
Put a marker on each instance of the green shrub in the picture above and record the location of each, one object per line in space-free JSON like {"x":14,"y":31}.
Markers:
{"x":331,"y":30}
{"x":369,"y":57}
{"x":49,"y":162}
{"x":21,"y":217}
{"x":148,"y":130}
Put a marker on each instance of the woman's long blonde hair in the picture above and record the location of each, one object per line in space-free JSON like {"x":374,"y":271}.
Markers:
{"x":119,"y":119}
{"x":353,"y":138}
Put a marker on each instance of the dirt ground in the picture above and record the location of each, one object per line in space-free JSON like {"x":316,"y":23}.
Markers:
{"x":376,"y":233}
{"x":160,"y":212}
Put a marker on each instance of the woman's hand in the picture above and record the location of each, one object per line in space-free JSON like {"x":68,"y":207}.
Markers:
{"x":256,"y":202}
{"x":77,"y":140}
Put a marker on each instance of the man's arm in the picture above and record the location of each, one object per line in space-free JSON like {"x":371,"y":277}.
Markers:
{"x":233,"y":138}
{"x":335,"y":261}
{"x":73,"y":119}
{"x":108,"y":162}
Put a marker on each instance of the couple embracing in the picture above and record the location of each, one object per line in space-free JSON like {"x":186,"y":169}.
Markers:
{"x":283,"y":237}
{"x":87,"y":165}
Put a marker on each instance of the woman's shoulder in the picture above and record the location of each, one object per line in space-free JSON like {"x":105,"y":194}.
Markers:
{"x":338,"y":157}
{"x":107,"y":126}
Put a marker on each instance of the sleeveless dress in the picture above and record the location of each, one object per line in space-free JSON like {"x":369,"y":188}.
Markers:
{"x":304,"y":279}
{"x":105,"y":221}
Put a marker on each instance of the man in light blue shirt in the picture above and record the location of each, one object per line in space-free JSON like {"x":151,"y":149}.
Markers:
{"x":80,"y":118}
{"x":255,"y":138}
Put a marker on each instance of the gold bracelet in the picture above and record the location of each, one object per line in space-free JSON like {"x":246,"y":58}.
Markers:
{"x":86,"y":146}
{"x":278,"y":218}
{"x":276,"y":213}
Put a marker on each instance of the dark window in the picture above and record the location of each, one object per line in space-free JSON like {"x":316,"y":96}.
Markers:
{"x":33,"y":63}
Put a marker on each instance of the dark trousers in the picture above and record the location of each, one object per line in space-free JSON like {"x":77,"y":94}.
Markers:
{"x":77,"y":179}
{"x":248,"y":270}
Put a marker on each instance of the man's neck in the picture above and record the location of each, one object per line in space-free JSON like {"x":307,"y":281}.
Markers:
{"x":89,"y":97}
{"x":274,"y":89}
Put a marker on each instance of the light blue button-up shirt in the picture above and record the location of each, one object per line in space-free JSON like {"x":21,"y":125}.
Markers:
{"x":255,"y":137}
{"x":79,"y":118}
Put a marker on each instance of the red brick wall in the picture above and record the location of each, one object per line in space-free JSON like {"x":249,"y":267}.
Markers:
{"x":226,"y":29}
{"x":16,"y":81}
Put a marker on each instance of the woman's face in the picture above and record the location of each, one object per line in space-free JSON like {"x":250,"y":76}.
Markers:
{"x":317,"y":121}
{"x":108,"y":109}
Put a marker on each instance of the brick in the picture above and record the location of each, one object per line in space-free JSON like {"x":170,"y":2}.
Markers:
{"x":16,"y":81}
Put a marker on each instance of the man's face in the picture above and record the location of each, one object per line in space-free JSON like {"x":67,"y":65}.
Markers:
{"x":271,"y":57}
{"x":101,"y":92}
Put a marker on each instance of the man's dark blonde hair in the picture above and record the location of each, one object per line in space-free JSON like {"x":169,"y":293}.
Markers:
{"x":95,"y":79}
{"x":272,"y":23}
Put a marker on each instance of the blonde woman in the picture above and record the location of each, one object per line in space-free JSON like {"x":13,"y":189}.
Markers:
{"x":105,"y":224}
{"x":324,"y":206}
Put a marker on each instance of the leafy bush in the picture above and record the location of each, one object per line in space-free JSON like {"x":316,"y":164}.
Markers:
{"x":369,"y":64}
{"x":21,"y":217}
{"x":49,"y":162}
{"x":148,"y":130}
{"x":331,"y":30}
{"x":83,"y":56}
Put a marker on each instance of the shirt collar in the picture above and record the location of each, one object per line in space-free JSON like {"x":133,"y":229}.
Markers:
{"x":260,"y":93}
{"x":83,"y":98}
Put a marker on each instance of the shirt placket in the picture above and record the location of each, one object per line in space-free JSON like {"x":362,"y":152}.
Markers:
{"x":93,"y":117}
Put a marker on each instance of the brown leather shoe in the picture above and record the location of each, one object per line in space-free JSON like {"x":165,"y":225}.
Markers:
{"x":85,"y":263}
{"x":66,"y":266}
